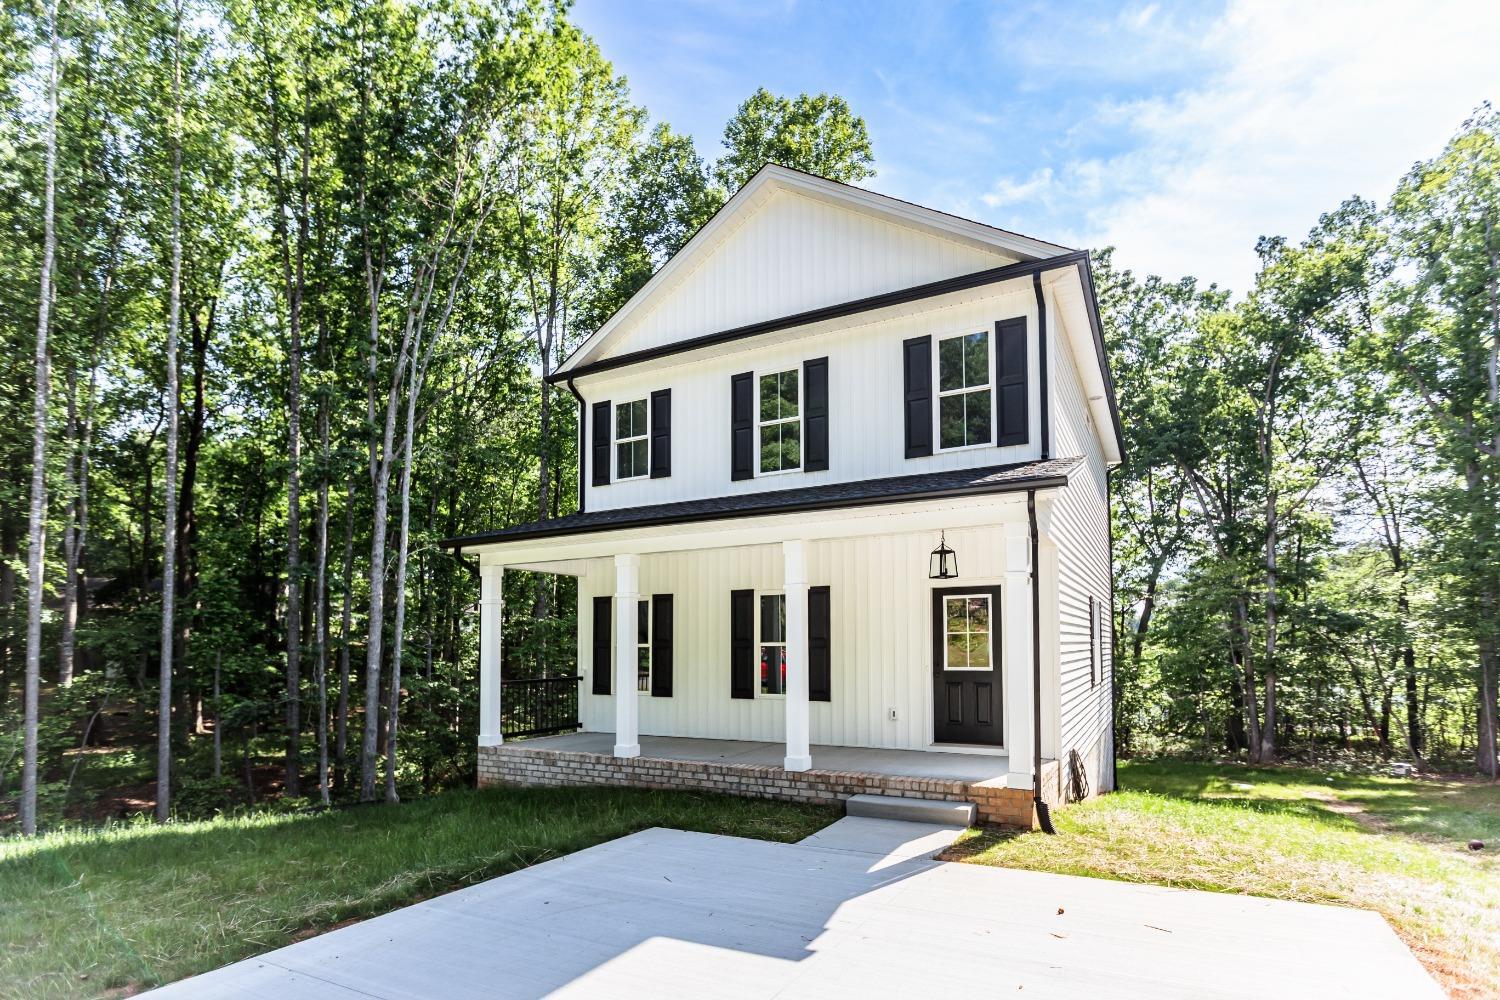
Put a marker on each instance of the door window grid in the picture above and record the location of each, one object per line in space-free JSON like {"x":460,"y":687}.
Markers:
{"x":966,"y":632}
{"x":964,"y":390}
{"x":631,"y":445}
{"x":643,"y":645}
{"x":780,"y":422}
{"x":772,"y":633}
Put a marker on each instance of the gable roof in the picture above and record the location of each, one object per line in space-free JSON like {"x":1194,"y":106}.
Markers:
{"x":773,"y":178}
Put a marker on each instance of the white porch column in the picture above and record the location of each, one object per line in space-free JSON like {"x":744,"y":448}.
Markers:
{"x":1017,"y":631}
{"x":627,"y":706}
{"x":798,"y":751}
{"x":491,"y":606}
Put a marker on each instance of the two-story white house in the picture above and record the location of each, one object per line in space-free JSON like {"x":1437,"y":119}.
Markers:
{"x":843,"y":517}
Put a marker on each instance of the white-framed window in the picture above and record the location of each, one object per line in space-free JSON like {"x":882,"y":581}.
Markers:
{"x":780,"y":422}
{"x":771,"y":632}
{"x":963,"y":397}
{"x":643,"y":644}
{"x":632,"y":448}
{"x":967,"y":632}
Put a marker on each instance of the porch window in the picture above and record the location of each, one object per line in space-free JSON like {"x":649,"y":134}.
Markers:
{"x":966,"y":626}
{"x":643,"y":645}
{"x":964,"y":390}
{"x":773,"y":644}
{"x":631,"y":447}
{"x":780,"y":423}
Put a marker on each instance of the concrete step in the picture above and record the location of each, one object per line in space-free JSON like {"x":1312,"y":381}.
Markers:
{"x":891,"y":841}
{"x":912,"y":810}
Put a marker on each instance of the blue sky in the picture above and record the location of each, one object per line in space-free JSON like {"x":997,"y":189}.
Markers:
{"x":1176,"y":132}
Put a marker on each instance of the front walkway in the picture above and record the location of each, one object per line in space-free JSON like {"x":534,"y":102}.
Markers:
{"x":669,"y":914}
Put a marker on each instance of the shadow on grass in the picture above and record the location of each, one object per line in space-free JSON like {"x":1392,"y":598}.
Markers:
{"x":1426,"y":809}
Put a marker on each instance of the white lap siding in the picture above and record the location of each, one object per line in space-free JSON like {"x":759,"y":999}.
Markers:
{"x":1080,"y":530}
{"x":880,"y":599}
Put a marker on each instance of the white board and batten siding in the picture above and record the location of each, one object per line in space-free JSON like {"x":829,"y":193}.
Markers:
{"x":881,"y":636}
{"x":865,"y":401}
{"x":1078,"y":531}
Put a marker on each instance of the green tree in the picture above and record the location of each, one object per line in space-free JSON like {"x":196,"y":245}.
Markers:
{"x":1442,"y":320}
{"x":816,"y":133}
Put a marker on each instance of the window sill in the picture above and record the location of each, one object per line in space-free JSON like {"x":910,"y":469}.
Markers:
{"x":963,"y":447}
{"x":778,"y":472}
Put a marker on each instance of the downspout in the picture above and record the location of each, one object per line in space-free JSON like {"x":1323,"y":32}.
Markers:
{"x":1043,"y":816}
{"x":1114,"y":691}
{"x":1044,"y":402}
{"x":581,"y":411}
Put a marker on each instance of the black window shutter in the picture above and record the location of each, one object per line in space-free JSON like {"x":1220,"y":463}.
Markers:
{"x":742,"y":644}
{"x":661,"y":433}
{"x":742,"y":426}
{"x":815,"y":415}
{"x":603,"y":639}
{"x":819,"y":652}
{"x":600,"y":455}
{"x":1012,"y":406}
{"x":661,"y":645}
{"x":917,"y":370}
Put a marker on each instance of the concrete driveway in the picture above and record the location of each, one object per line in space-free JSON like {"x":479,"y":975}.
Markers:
{"x":669,"y":914}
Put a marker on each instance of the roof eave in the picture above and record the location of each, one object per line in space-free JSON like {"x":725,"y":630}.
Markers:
{"x":499,"y":537}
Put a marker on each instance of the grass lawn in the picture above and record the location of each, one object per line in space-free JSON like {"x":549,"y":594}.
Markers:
{"x":1398,"y":846}
{"x":106,"y":912}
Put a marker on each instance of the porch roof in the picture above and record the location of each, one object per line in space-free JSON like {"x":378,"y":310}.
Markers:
{"x":1044,"y":474}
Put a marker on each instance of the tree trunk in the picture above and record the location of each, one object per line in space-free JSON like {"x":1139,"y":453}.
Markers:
{"x":71,"y":435}
{"x":200,"y":333}
{"x":293,"y":264}
{"x":1267,"y":750}
{"x":341,"y":722}
{"x":218,"y":723}
{"x":320,"y":603}
{"x":169,"y":520}
{"x":403,"y":545}
{"x":37,"y":519}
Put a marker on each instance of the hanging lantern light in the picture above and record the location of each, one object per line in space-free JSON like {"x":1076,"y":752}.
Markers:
{"x":943,"y":564}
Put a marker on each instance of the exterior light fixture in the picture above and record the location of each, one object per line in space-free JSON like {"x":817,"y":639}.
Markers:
{"x":943,"y":564}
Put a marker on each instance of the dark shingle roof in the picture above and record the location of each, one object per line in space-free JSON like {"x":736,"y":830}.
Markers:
{"x":831,"y":496}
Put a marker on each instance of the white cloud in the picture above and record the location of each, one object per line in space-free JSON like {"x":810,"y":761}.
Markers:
{"x":1305,"y":105}
{"x":1008,"y":192}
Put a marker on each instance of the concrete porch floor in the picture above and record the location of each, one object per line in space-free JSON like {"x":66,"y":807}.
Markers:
{"x":937,"y":765}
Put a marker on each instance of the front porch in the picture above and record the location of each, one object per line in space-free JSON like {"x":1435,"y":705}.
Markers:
{"x":756,"y":769}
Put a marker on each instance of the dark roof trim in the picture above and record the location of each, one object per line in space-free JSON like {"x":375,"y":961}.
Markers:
{"x":797,"y":502}
{"x":884,"y":300}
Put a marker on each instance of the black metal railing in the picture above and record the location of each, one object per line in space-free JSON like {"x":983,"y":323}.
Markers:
{"x":535,"y":706}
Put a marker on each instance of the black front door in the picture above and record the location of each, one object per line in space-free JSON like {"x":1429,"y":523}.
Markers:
{"x":966,"y":665}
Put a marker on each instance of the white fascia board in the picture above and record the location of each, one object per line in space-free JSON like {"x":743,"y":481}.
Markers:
{"x":1066,"y":288}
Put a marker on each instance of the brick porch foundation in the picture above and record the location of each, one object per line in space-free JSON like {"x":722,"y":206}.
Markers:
{"x":515,"y":764}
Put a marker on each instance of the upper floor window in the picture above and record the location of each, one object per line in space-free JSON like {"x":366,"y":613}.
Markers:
{"x":964,"y":390}
{"x":632,"y":451}
{"x":780,"y":423}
